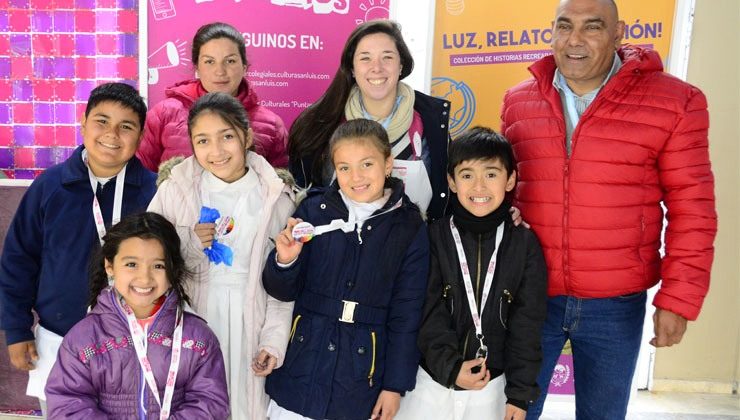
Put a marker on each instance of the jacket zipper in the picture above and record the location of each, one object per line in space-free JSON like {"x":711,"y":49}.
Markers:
{"x":477,"y":280}
{"x":372,"y":363}
{"x":465,"y":346}
{"x":566,"y":186}
{"x":477,"y":288}
{"x":145,"y":398}
{"x":295,"y":324}
{"x":142,"y":383}
{"x":445,"y":295}
{"x":509,"y":299}
{"x":140,"y":410}
{"x":566,"y":205}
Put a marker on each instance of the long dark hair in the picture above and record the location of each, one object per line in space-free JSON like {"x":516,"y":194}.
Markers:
{"x":309,"y":136}
{"x":143,"y":226}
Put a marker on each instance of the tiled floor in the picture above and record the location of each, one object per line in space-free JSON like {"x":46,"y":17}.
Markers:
{"x":647,"y":405}
{"x":644,"y":406}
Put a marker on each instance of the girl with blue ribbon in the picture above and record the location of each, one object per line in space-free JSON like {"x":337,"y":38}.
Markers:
{"x":226,"y":202}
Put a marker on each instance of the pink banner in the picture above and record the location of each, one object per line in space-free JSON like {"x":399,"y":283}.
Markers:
{"x":293,"y":46}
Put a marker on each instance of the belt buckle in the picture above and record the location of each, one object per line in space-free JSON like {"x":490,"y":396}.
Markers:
{"x":348,"y":311}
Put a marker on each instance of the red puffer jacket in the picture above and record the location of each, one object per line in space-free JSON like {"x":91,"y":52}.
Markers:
{"x":166,"y":130}
{"x":598,"y":213}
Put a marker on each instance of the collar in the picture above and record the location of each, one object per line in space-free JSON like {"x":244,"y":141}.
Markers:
{"x":394,"y":185}
{"x":74,"y":169}
{"x":188,"y":91}
{"x":479,"y":225}
{"x":359,"y":211}
{"x":241,"y":186}
{"x":399,"y":120}
{"x":559,"y":82}
{"x":189,"y":172}
{"x":244,"y":93}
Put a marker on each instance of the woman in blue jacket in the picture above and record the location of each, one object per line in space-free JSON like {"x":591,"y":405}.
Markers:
{"x":358,"y":287}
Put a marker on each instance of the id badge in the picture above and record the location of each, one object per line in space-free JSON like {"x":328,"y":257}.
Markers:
{"x":482,"y":352}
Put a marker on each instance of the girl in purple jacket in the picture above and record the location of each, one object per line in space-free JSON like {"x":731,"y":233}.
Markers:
{"x":139,"y":353}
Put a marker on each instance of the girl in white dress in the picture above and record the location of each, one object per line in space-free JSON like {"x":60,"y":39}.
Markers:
{"x":227,"y":202}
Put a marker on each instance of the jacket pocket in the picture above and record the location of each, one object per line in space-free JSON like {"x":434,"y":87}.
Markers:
{"x":365,"y":354}
{"x":299,"y":340}
{"x":630,"y":296}
{"x":504,"y":302}
{"x":448,"y":298}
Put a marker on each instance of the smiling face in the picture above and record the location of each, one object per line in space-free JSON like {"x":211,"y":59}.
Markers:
{"x":219,"y":147}
{"x":376,"y":67}
{"x":361,"y":169}
{"x":139,"y":274}
{"x":585,"y":37}
{"x":111,"y":134}
{"x":481,"y":185}
{"x":220,"y":66}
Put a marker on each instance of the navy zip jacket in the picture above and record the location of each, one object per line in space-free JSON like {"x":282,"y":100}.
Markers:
{"x":45,"y":259}
{"x":335,"y":369}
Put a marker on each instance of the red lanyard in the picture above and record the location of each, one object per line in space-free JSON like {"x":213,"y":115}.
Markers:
{"x":476,"y":315}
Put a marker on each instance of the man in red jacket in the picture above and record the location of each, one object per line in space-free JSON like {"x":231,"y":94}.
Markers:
{"x":603,"y":136}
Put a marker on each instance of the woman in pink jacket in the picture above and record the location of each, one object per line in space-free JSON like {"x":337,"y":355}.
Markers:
{"x":220,"y":59}
{"x":226,"y":202}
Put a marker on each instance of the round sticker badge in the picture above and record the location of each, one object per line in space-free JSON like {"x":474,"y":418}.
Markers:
{"x":303,"y":232}
{"x":224,"y":225}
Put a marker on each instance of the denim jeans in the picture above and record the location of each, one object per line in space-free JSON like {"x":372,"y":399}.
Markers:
{"x":605,"y":336}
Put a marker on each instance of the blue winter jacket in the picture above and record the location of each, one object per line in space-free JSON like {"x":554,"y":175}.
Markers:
{"x":335,"y":369}
{"x":45,"y":258}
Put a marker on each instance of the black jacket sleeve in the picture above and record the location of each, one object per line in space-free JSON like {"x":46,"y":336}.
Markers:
{"x":437,"y":336}
{"x":523,"y":349}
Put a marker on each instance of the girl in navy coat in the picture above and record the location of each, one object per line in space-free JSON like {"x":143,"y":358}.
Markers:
{"x":358,"y":287}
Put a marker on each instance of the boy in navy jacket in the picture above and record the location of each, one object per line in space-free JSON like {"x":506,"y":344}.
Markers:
{"x":60,"y":220}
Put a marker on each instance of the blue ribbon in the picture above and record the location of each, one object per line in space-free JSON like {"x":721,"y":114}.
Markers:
{"x":217,"y":253}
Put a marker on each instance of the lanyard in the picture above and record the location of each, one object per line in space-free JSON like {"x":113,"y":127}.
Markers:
{"x":140,"y":345}
{"x":404,"y":142}
{"x":476,"y":315}
{"x":117,"y":199}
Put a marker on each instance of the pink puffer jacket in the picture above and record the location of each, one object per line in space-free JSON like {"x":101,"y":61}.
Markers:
{"x":166,"y":130}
